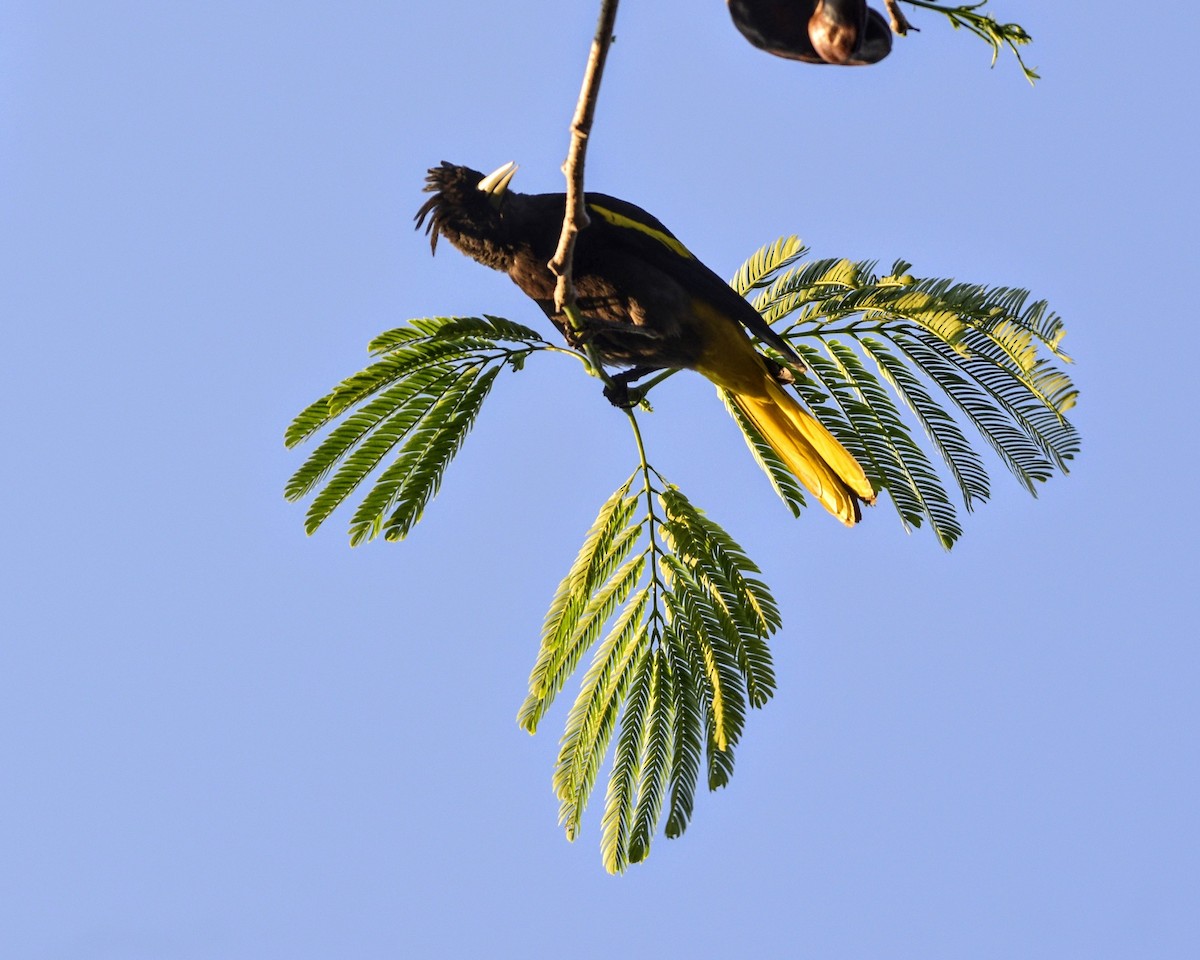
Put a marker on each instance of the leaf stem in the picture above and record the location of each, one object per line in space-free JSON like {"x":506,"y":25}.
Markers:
{"x":987,"y":28}
{"x":653,"y":548}
{"x":656,"y":380}
{"x":641,"y":446}
{"x":853,"y":329}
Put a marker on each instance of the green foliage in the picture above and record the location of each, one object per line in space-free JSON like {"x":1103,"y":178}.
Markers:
{"x":766,"y":262}
{"x":416,"y":404}
{"x":684,"y":652}
{"x":997,"y":35}
{"x":667,"y":606}
{"x":889,"y":361}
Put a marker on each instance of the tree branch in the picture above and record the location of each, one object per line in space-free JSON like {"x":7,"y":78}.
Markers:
{"x":900,"y":23}
{"x":576,"y":218}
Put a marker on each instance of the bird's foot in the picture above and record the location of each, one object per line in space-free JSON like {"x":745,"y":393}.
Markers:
{"x":782,"y":374}
{"x":621,"y":396}
{"x":618,"y":392}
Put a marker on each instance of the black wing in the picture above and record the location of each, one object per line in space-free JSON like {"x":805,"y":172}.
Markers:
{"x":631,"y":227}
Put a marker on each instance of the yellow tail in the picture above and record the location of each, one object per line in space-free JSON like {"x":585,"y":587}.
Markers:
{"x":810,"y":451}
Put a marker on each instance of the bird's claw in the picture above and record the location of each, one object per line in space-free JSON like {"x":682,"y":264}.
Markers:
{"x":783,"y":374}
{"x":618,"y":393}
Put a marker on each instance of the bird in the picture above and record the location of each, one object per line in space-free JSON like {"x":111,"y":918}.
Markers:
{"x":649,"y":304}
{"x":845,"y":32}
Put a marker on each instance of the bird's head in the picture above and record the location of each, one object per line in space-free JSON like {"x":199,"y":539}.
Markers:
{"x":467,"y":209}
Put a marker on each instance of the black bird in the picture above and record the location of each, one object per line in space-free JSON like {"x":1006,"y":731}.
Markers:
{"x":648,"y":303}
{"x":816,"y":31}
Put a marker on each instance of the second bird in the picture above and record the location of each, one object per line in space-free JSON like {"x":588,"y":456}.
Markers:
{"x":846,"y":32}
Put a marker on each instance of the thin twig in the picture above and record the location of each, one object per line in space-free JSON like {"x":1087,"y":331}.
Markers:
{"x":900,"y":23}
{"x":575,"y":218}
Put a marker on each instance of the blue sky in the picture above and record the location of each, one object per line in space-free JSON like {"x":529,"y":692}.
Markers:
{"x":223,"y":738}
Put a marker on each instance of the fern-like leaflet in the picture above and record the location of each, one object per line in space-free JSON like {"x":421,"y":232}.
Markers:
{"x":415,"y":404}
{"x":988,"y":351}
{"x":685,"y":621}
{"x":668,"y":606}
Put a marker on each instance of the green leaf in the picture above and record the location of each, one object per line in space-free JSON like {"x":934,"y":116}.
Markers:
{"x":606,"y":545}
{"x":982,"y":347}
{"x":683,"y":616}
{"x":561,"y":663}
{"x":1014,"y":447}
{"x":593,"y":717}
{"x":963,"y":462}
{"x":1034,"y":393}
{"x":431,"y":457}
{"x":722,"y":559}
{"x":688,"y":741}
{"x":765,"y":262}
{"x":476,"y":332}
{"x":418,"y":396}
{"x":423,"y":392}
{"x":696,"y":629}
{"x":813,"y":281}
{"x":405,"y":487}
{"x":899,"y":465}
{"x":997,"y":35}
{"x":365,"y":422}
{"x":655,"y":760}
{"x":623,"y":781}
{"x":741,"y":605}
{"x":397,"y":365}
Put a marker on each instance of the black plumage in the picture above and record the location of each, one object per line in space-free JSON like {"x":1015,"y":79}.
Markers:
{"x":647,"y":303}
{"x":634,"y":280}
{"x":845,"y":32}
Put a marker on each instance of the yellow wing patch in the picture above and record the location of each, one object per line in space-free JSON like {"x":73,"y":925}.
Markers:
{"x":619,"y":220}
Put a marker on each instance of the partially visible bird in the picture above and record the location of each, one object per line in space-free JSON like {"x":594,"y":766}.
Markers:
{"x":648,"y":303}
{"x":844,"y":32}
